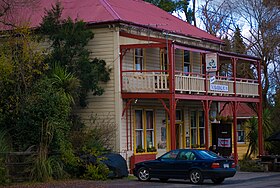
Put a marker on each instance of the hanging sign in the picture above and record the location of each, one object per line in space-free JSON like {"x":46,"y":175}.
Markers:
{"x":212,"y":79}
{"x":211,"y":62}
{"x":224,"y":142}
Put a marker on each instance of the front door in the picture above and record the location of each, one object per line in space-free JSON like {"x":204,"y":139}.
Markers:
{"x":222,"y":138}
{"x":179,"y":136}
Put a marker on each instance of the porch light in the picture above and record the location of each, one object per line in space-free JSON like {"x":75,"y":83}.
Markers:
{"x":135,"y":101}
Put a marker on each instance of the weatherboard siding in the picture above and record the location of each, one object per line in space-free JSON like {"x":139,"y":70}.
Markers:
{"x":102,"y":46}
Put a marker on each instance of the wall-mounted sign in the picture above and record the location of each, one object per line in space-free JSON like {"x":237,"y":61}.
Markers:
{"x":224,"y":142}
{"x":211,"y":62}
{"x":216,"y":87}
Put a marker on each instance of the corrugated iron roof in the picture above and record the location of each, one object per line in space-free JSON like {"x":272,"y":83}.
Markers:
{"x":243,"y":110}
{"x":97,"y":11}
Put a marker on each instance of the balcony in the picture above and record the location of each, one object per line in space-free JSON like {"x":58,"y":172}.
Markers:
{"x":188,"y":83}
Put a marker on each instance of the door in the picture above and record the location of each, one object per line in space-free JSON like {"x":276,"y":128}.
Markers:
{"x":179,"y":136}
{"x":222,"y":138}
{"x":166,"y":165}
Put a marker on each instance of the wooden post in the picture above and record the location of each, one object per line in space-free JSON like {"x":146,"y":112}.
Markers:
{"x":235,"y":106}
{"x":260,"y":111}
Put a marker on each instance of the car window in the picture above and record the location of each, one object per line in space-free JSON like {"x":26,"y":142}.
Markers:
{"x":170,"y":156}
{"x":187,"y":155}
{"x":208,"y":154}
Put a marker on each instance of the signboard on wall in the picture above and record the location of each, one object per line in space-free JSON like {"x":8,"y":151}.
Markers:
{"x":217,"y":87}
{"x":211,"y":62}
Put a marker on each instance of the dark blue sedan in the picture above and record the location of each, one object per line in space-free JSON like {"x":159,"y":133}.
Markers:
{"x":195,"y":165}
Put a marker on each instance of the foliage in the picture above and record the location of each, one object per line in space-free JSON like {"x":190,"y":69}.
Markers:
{"x":152,"y":149}
{"x":175,"y":5}
{"x":238,"y":45}
{"x":4,"y":179}
{"x":68,"y":41}
{"x":4,"y":147}
{"x":101,"y":133}
{"x":263,"y":39}
{"x":216,"y":17}
{"x":252,"y":136}
{"x":140,"y":149}
{"x":96,"y":172}
{"x":21,"y":65}
{"x":248,"y":165}
{"x":67,"y":84}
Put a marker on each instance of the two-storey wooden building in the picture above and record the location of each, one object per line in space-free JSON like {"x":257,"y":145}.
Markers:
{"x":168,"y":78}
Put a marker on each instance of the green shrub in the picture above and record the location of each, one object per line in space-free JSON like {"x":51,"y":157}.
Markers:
{"x":96,"y":172}
{"x":4,"y":179}
{"x":250,"y":166}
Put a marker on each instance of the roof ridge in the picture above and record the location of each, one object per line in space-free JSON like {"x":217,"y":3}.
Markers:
{"x":110,"y":9}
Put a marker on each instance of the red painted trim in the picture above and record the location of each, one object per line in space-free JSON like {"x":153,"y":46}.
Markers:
{"x":121,"y":67}
{"x":160,"y":71}
{"x":260,"y":112}
{"x":191,"y":49}
{"x":165,"y":107}
{"x":150,"y":45}
{"x":146,"y":38}
{"x":235,"y":105}
{"x":172,"y":101}
{"x":126,"y":118}
{"x":146,"y":95}
{"x":127,"y":106}
{"x":206,"y":74}
{"x":130,"y":114}
{"x":215,"y":98}
{"x":206,"y":107}
{"x":233,"y":60}
{"x":239,"y":57}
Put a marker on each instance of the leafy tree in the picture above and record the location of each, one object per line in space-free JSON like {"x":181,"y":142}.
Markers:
{"x":263,"y":39}
{"x":175,"y":6}
{"x":238,"y":45}
{"x":227,"y":46}
{"x":68,"y":41}
{"x":21,"y":65}
{"x":217,"y":17}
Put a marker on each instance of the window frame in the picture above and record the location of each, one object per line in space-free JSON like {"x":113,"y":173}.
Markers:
{"x":240,"y":125}
{"x":145,"y":130}
{"x":141,"y":58}
{"x":196,"y":128}
{"x":187,"y":63}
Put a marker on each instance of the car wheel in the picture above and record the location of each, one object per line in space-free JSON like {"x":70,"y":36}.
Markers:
{"x":217,"y":180}
{"x":196,"y":177}
{"x":163,"y":179}
{"x":143,"y":174}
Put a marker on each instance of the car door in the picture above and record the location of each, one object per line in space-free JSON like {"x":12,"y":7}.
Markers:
{"x":185,"y":161}
{"x":166,"y":165}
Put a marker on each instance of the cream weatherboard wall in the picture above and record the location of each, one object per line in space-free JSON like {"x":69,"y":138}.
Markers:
{"x":105,"y":45}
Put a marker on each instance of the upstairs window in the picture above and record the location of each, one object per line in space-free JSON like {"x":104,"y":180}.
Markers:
{"x":163,"y":60}
{"x":187,"y":62}
{"x":139,"y":59}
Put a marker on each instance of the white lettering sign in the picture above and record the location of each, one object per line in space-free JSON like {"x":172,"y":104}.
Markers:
{"x":211,"y":62}
{"x":216,"y":87}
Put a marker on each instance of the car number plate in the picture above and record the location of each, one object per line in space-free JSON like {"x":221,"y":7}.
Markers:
{"x":226,"y":165}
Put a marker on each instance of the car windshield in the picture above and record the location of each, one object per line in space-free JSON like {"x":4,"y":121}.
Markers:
{"x":208,"y":154}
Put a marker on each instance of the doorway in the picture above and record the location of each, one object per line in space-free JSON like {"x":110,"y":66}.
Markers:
{"x":179,"y":136}
{"x":222,"y":138}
